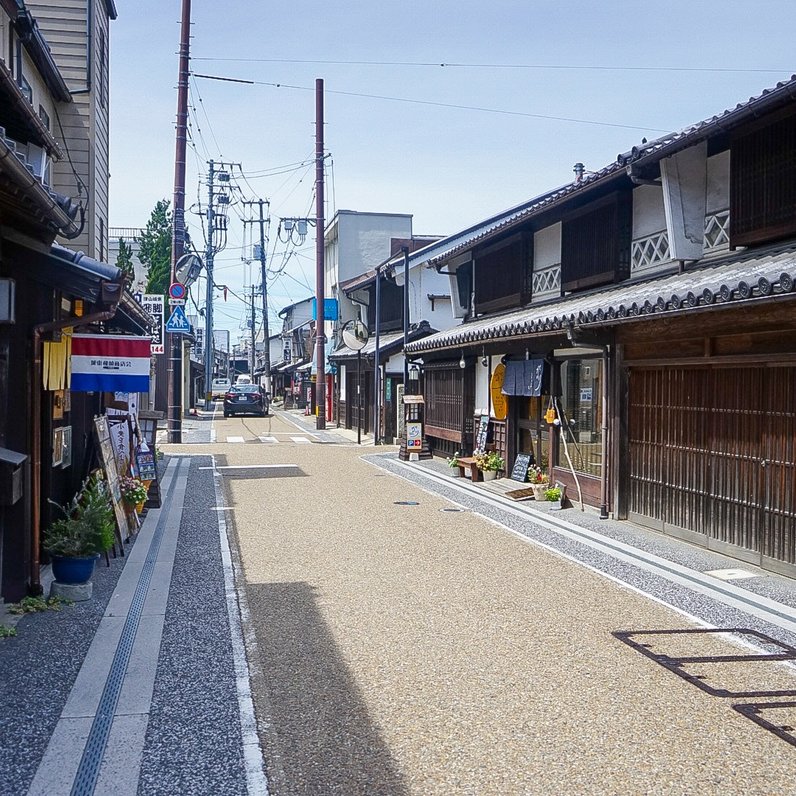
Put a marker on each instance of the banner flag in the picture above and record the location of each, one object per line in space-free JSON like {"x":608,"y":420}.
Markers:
{"x":110,"y":363}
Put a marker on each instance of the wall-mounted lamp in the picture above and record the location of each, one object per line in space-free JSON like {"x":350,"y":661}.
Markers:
{"x":462,"y":363}
{"x":7,"y":301}
{"x":484,"y":357}
{"x":414,"y":372}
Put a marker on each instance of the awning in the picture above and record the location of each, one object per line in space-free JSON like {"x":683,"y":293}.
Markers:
{"x":523,"y":377}
{"x":389,"y":344}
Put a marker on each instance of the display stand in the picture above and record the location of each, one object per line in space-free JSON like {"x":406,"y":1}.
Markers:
{"x":107,"y":461}
{"x":414,"y":445}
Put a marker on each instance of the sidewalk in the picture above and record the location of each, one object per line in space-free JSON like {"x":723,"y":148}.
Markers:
{"x":139,"y":690}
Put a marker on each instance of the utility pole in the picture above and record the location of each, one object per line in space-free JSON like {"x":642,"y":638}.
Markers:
{"x":217,"y":205}
{"x":320,"y":379}
{"x":254,"y":347}
{"x":266,"y":329}
{"x":174,"y":373}
{"x":209,"y":261}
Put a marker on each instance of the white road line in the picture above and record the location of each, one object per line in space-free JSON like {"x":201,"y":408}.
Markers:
{"x":238,"y":614}
{"x":234,"y":439}
{"x":287,"y":418}
{"x":268,"y":439}
{"x":300,"y":440}
{"x":212,"y":422}
{"x":761,"y":607}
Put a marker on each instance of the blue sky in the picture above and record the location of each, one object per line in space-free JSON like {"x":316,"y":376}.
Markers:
{"x":619,"y":71}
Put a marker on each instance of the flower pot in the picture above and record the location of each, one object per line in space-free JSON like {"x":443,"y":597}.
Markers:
{"x":73,"y":569}
{"x":139,"y":507}
{"x":455,"y":472}
{"x":489,"y":475}
{"x":539,"y":490}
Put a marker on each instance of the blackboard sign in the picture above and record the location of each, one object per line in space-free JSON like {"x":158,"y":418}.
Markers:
{"x":481,"y":433}
{"x":521,"y":464}
{"x":145,"y":459}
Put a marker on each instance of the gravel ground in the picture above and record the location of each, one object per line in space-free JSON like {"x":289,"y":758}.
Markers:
{"x":193,"y":740}
{"x":39,"y":667}
{"x":405,"y":650}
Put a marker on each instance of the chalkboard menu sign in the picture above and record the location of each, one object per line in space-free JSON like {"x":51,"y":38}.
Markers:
{"x":145,"y":459}
{"x":481,"y":433}
{"x":521,"y":464}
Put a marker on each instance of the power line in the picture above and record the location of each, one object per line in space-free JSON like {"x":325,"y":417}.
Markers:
{"x":464,"y":65}
{"x":455,"y":106}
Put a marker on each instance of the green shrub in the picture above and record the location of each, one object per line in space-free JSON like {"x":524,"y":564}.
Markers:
{"x":86,"y":528}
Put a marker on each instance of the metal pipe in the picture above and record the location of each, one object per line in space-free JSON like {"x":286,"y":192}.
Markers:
{"x":376,"y":385}
{"x":604,"y":438}
{"x":34,"y":401}
{"x":405,"y":250}
{"x":359,"y":397}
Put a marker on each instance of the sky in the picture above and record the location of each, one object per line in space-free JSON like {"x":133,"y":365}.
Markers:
{"x":527,"y":89}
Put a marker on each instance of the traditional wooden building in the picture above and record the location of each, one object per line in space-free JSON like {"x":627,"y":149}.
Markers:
{"x":47,"y":289}
{"x":650,"y":306}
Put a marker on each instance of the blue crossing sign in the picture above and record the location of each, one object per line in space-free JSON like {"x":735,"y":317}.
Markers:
{"x":178,"y":322}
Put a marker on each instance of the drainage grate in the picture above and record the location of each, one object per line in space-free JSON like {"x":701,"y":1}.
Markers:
{"x":406,"y":503}
{"x":251,"y":473}
{"x":450,"y":510}
{"x":671,"y":650}
{"x":779,"y":712}
{"x":86,"y":777}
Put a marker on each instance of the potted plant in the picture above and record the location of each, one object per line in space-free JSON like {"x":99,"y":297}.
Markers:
{"x":75,"y":540}
{"x":557,"y":495}
{"x":489,"y":463}
{"x":134,"y":492}
{"x":538,"y":481}
{"x":453,"y":463}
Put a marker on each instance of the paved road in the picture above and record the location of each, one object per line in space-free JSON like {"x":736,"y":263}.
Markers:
{"x":405,"y":649}
{"x":405,"y":633}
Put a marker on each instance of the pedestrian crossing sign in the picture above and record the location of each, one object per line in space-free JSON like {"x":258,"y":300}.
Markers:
{"x":178,"y":322}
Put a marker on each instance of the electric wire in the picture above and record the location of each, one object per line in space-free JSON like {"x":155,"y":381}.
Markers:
{"x":455,"y":106}
{"x":465,"y":65}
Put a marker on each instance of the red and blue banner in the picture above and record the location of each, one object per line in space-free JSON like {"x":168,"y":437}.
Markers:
{"x":110,"y":363}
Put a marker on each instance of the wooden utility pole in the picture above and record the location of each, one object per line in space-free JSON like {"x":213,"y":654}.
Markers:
{"x":174,"y":374}
{"x":320,"y":348}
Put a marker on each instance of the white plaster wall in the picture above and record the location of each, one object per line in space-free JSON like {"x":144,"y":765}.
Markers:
{"x":547,"y":247}
{"x":341,"y":379}
{"x":649,"y":216}
{"x":364,"y":240}
{"x":718,"y":195}
{"x":482,"y":385}
{"x":422,"y":283}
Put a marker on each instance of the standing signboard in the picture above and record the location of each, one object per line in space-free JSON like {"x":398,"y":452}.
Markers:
{"x":482,"y":433}
{"x":108,"y":462}
{"x":153,"y":304}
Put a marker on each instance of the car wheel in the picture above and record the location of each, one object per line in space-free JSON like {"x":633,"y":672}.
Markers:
{"x":226,"y":414}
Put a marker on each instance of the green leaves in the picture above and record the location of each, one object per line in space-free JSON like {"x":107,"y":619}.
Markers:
{"x":155,"y":248}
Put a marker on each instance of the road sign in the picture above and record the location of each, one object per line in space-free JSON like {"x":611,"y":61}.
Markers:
{"x":177,"y":290}
{"x":177,"y":322}
{"x":176,"y":302}
{"x":153,"y":304}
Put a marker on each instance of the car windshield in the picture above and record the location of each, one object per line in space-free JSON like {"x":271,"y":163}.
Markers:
{"x":246,"y":388}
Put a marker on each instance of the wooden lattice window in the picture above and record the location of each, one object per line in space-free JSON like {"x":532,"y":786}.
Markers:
{"x":595,"y":243}
{"x":503,"y":274}
{"x":763,"y":181}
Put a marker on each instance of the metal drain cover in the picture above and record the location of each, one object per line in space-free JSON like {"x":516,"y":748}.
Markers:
{"x":406,"y":503}
{"x":453,"y":509}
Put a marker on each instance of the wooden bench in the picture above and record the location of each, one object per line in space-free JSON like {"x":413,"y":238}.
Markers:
{"x":469,"y":462}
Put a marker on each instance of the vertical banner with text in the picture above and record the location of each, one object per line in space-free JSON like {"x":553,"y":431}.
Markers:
{"x":153,"y":303}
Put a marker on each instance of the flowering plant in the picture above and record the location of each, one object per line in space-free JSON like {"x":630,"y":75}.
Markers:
{"x":133,"y":490}
{"x":488,"y":461}
{"x":536,"y":475}
{"x":453,"y":461}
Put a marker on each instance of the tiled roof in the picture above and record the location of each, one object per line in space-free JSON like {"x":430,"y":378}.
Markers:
{"x":731,"y":280}
{"x":651,"y":151}
{"x":392,"y":340}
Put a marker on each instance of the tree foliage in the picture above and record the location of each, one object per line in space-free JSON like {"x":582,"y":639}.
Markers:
{"x":124,"y":260}
{"x":155,"y":248}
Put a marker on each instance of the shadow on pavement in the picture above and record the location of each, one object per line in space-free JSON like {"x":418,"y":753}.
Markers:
{"x":319,"y":737}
